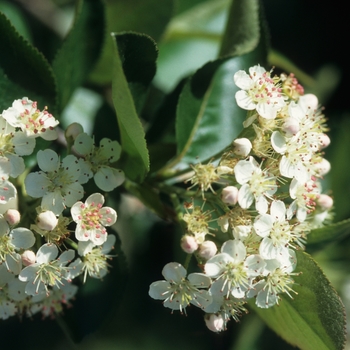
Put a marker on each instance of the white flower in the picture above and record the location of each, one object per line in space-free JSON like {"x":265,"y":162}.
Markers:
{"x":277,"y":280}
{"x":91,"y":219}
{"x":57,"y":183}
{"x":258,"y":92}
{"x":256,"y":184}
{"x":24,"y":115}
{"x":97,"y":162}
{"x":94,"y":259}
{"x":11,"y":242}
{"x":14,"y":144}
{"x":47,"y":271}
{"x":233,"y":270}
{"x":51,"y":305}
{"x":177,"y":291}
{"x":275,"y":230}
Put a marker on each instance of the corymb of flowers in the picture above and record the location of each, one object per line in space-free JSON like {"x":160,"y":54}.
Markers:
{"x":49,"y":237}
{"x":264,"y":192}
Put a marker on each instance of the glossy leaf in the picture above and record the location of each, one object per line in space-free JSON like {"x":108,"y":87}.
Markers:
{"x":143,"y":16}
{"x":243,"y":29}
{"x":24,"y":71}
{"x":315,"y":318}
{"x":139,"y":55}
{"x":135,"y":159}
{"x":208,"y":118}
{"x":80,"y":50}
{"x":329,"y":233}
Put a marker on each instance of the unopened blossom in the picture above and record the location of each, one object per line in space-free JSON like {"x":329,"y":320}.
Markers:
{"x":12,"y":216}
{"x":229,"y":195}
{"x":207,"y":250}
{"x":98,"y":162}
{"x":242,"y":147}
{"x":57,"y":182}
{"x":259,"y":91}
{"x":257,"y":184}
{"x":25,"y":115}
{"x":189,"y":244}
{"x":47,"y":220}
{"x":47,"y":271}
{"x":177,"y":291}
{"x":215,"y":323}
{"x":91,"y":218}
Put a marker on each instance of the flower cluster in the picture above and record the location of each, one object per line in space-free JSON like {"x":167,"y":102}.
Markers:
{"x":40,"y":210}
{"x":266,"y":196}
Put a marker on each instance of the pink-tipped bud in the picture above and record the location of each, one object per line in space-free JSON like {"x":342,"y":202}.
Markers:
{"x":207,"y":250}
{"x":242,"y":147}
{"x":214,"y":322}
{"x":324,"y":141}
{"x":323,"y":167}
{"x":291,"y":126}
{"x":12,"y":216}
{"x":73,"y":130}
{"x":28,"y":258}
{"x":189,"y":244}
{"x":325,"y":202}
{"x":47,"y":220}
{"x":229,"y":195}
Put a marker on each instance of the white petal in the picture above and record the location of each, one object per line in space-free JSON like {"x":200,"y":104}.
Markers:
{"x":278,"y":142}
{"x":37,"y":184}
{"x":110,"y":150}
{"x":278,"y":211}
{"x":263,"y":225}
{"x":28,"y":273}
{"x":287,"y":169}
{"x":244,"y":100}
{"x":174,"y":272}
{"x":85,"y":247}
{"x":23,"y":144}
{"x":74,"y":192}
{"x":261,"y":203}
{"x":53,"y":201}
{"x":242,"y":80}
{"x":267,"y":249}
{"x":16,"y":290}
{"x":265,"y":299}
{"x":245,"y":197}
{"x":48,"y":160}
{"x":109,"y":216}
{"x":159,"y":290}
{"x":17,"y":165}
{"x":108,"y":245}
{"x":235,"y":248}
{"x":66,"y":257}
{"x":46,"y":253}
{"x":199,"y":280}
{"x":255,"y":265}
{"x":83,"y":144}
{"x":107,"y":179}
{"x":14,"y":263}
{"x":95,"y":199}
{"x":22,"y":238}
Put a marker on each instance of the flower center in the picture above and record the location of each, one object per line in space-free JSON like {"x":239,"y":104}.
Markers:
{"x":6,"y":247}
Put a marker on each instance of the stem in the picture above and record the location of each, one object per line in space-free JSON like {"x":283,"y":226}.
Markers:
{"x":73,"y":244}
{"x":187,"y":261}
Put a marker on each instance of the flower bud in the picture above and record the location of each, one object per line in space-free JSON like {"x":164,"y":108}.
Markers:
{"x":47,"y":220}
{"x":207,"y":250}
{"x":73,"y":130}
{"x":189,"y":244}
{"x":325,"y":202}
{"x":214,"y":322}
{"x":291,"y":126}
{"x":229,"y":195}
{"x":28,"y":258}
{"x":324,"y":141}
{"x":323,"y":167}
{"x":12,"y":216}
{"x":242,"y":147}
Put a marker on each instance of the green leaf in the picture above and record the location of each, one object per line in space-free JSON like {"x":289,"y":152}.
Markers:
{"x":143,"y":16}
{"x":243,"y":28}
{"x":315,"y":319}
{"x":80,"y":50}
{"x":329,"y":233}
{"x":208,"y":118}
{"x":135,"y":159}
{"x":139,"y":55}
{"x":24,"y":71}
